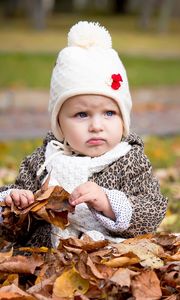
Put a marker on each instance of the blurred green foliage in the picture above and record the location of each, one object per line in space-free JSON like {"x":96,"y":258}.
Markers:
{"x":163,"y":152}
{"x":33,"y":70}
{"x":26,"y":70}
{"x":14,"y":151}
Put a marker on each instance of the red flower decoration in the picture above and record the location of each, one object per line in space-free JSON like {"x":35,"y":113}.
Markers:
{"x":116,"y":81}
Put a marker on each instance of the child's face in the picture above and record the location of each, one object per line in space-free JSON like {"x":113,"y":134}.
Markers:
{"x":91,"y":124}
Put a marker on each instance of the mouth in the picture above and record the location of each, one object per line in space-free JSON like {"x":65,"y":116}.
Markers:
{"x":95,"y":141}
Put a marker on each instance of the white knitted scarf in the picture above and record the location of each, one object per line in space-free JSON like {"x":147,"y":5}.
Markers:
{"x":71,"y":171}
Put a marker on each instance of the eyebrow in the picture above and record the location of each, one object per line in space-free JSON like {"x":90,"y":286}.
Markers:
{"x":107,"y":106}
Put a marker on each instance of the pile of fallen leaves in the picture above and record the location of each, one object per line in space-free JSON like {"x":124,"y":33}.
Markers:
{"x":145,"y":267}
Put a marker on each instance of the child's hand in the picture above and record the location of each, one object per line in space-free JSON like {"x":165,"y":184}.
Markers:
{"x":93,"y":195}
{"x":20,"y":198}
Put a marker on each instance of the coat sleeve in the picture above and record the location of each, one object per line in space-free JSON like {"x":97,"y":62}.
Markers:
{"x":142,"y":190}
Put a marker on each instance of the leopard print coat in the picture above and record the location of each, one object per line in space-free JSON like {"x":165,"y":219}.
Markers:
{"x":131,"y":174}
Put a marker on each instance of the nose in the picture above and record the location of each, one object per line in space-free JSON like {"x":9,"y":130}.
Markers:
{"x":95,"y":124}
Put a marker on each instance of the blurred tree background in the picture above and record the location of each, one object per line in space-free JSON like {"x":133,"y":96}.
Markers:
{"x":38,"y":10}
{"x":146,"y":35}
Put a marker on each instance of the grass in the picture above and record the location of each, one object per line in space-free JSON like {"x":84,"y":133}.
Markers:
{"x":33,"y":70}
{"x":26,"y":70}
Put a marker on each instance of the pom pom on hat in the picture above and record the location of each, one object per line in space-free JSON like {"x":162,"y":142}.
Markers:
{"x":88,"y":65}
{"x":86,"y":35}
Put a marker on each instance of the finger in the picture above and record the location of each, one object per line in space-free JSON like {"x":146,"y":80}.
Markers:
{"x":84,"y":188}
{"x":29,"y":196}
{"x":15,"y":197}
{"x":75,"y":194}
{"x":84,"y":198}
{"x":72,"y":199}
{"x":8,"y":200}
{"x":23,"y":201}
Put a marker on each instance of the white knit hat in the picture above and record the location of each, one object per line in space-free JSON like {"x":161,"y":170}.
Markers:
{"x":88,"y":65}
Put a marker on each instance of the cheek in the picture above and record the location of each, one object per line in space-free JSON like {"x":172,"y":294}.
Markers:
{"x":72,"y":133}
{"x":118,"y":129}
{"x":65,"y":126}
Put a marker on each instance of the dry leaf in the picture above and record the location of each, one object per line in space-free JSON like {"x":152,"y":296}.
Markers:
{"x":174,"y":257}
{"x":171,"y":274}
{"x":93,"y":268}
{"x":146,"y":286}
{"x":84,"y":244}
{"x":14,"y":293}
{"x":68,"y":283}
{"x":123,"y":276}
{"x":5,"y":255}
{"x":121,"y":261}
{"x":36,"y":250}
{"x":21,"y":264}
{"x":147,"y":251}
{"x":51,"y":205}
{"x":84,"y":269}
{"x":11,"y":278}
{"x":37,"y":288}
{"x":172,"y":297}
{"x":164,"y":239}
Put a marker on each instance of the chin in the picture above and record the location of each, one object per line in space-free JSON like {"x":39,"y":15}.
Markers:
{"x":96,"y":153}
{"x":92,"y":151}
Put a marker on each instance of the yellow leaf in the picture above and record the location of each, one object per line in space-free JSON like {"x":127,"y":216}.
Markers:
{"x":121,"y":261}
{"x":68,"y":283}
{"x":12,"y":278}
{"x":36,"y":250}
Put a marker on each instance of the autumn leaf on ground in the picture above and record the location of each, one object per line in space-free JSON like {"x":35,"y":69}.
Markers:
{"x":123,"y":276}
{"x":146,"y":286}
{"x":122,"y":261}
{"x":171,"y":274}
{"x":164,"y":239}
{"x":85,"y":244}
{"x":15,"y":293}
{"x":76,"y":270}
{"x":21,"y":264}
{"x":68,"y":283}
{"x":148,"y":252}
{"x":5,"y":255}
{"x":11,"y":279}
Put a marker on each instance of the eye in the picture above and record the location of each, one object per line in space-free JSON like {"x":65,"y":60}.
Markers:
{"x":110,"y":113}
{"x":81,"y":115}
